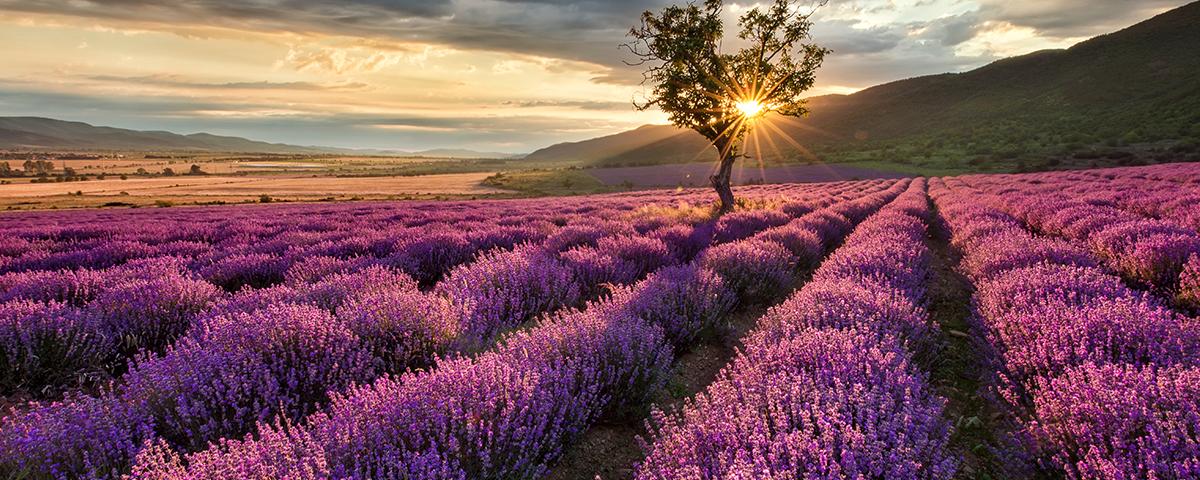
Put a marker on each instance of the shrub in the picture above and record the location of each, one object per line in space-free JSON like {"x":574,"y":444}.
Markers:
{"x":504,"y":415}
{"x":332,"y":291}
{"x":740,"y":225}
{"x":402,"y":328}
{"x":240,"y":369}
{"x":1046,"y":340}
{"x":1121,"y":421}
{"x":642,"y":254}
{"x":801,"y":242}
{"x":846,"y":304}
{"x":1189,"y":284}
{"x":75,"y":287}
{"x":501,"y":290}
{"x":758,"y":271}
{"x":255,"y":270}
{"x":597,"y":272}
{"x":149,"y":314}
{"x":685,"y":301}
{"x":48,"y":345}
{"x":80,"y":437}
{"x":428,"y":257}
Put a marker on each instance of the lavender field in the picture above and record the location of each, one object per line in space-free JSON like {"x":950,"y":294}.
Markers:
{"x":984,"y":326}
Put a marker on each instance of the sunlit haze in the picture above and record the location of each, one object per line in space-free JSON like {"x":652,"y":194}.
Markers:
{"x":495,"y":75}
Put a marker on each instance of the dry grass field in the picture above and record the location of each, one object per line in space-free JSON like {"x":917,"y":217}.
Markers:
{"x":181,"y":190}
{"x":119,"y":179}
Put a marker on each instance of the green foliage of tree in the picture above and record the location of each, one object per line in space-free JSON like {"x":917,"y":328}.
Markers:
{"x":723,"y":95}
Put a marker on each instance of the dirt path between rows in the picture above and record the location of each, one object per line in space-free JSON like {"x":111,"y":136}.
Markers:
{"x":956,"y":372}
{"x":610,"y":451}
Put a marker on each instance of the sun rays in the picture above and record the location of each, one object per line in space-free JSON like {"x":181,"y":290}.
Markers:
{"x":749,"y":108}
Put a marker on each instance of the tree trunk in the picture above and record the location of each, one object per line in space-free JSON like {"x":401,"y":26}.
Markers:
{"x":720,"y":180}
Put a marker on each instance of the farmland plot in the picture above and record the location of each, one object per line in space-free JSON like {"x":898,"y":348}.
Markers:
{"x":494,"y":338}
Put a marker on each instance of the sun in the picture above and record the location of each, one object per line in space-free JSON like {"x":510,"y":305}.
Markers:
{"x":749,"y":108}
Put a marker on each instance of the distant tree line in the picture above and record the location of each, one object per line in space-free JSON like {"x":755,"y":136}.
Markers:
{"x":44,"y":171}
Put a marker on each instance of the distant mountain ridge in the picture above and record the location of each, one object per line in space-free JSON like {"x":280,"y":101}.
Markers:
{"x":48,"y":133}
{"x":38,"y":133}
{"x":1139,"y":84}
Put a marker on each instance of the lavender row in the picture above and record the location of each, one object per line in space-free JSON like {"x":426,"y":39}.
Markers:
{"x":59,"y":326}
{"x":1153,"y":253}
{"x":1094,"y":374}
{"x":190,"y":425}
{"x":278,"y":350}
{"x":826,"y":386}
{"x":1165,"y":192}
{"x":510,"y":411}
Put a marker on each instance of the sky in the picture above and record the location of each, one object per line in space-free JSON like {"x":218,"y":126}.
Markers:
{"x":490,"y":75}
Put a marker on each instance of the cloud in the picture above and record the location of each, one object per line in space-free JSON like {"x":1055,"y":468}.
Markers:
{"x":411,"y":51}
{"x":952,"y":30}
{"x":845,"y":37}
{"x":1073,"y":18}
{"x":579,"y":104}
{"x":587,"y":31}
{"x":180,"y":82}
{"x":580,"y":31}
{"x":509,"y":133}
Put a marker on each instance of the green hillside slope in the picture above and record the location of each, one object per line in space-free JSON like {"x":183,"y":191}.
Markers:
{"x":1125,"y":97}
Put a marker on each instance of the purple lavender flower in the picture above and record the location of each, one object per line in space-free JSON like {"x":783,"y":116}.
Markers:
{"x":79,"y":437}
{"x":1189,"y":284}
{"x":501,"y":290}
{"x":823,"y":404}
{"x":402,"y":328}
{"x":49,"y":345}
{"x":428,"y":257}
{"x":740,"y":225}
{"x":758,"y":271}
{"x":1120,"y":421}
{"x":685,"y":301}
{"x":149,"y":314}
{"x":805,"y":245}
{"x":236,"y":370}
{"x":255,"y":270}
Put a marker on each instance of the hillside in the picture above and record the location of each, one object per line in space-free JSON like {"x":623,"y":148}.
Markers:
{"x":26,"y":133}
{"x":1103,"y":96}
{"x":36,"y":133}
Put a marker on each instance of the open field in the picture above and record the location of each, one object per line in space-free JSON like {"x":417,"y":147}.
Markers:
{"x":450,"y":184}
{"x":982,"y":326}
{"x":182,"y":190}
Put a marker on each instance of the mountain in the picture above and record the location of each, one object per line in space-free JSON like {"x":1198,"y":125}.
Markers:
{"x":1136,"y":86}
{"x":36,"y":133}
{"x":31,"y":133}
{"x":671,"y":144}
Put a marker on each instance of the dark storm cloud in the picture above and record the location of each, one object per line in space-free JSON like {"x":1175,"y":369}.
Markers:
{"x":588,"y":30}
{"x":843,"y":37}
{"x":584,"y":30}
{"x":951,"y":31}
{"x":1073,"y":18}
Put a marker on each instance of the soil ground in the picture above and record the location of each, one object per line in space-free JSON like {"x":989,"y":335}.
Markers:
{"x":956,"y":371}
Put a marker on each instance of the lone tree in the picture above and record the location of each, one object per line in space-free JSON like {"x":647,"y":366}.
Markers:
{"x":723,"y":95}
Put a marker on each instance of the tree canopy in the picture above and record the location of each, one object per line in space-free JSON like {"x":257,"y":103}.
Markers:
{"x":723,"y":95}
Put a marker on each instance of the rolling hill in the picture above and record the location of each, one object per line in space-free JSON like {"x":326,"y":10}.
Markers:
{"x":37,"y":133}
{"x":1139,"y":85}
{"x":47,"y":133}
